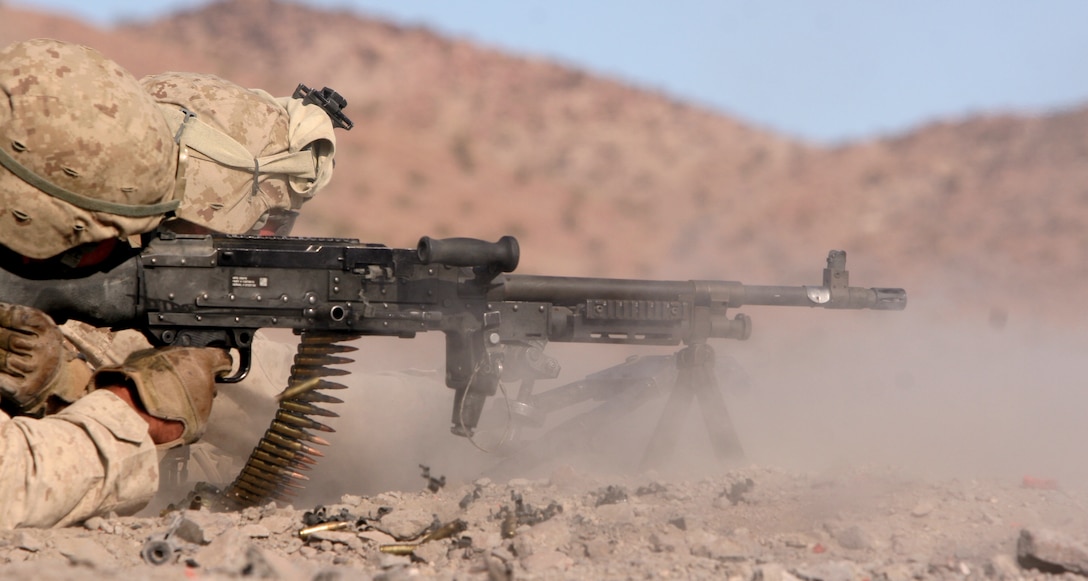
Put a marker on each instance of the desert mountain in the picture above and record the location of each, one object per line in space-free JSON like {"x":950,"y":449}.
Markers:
{"x":596,"y":177}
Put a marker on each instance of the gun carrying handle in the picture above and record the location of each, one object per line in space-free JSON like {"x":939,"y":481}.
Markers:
{"x":501,"y":256}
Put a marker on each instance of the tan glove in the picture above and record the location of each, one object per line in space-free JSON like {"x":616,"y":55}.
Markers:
{"x":36,"y":362}
{"x":172,"y":384}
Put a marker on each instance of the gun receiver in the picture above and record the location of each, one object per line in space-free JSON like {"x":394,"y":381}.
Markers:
{"x":218,"y":290}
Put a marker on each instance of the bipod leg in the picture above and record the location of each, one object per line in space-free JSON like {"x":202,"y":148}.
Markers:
{"x":694,"y":379}
{"x":719,"y":424}
{"x":663,"y":440}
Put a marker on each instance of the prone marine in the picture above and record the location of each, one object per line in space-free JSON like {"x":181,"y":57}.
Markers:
{"x":91,"y":161}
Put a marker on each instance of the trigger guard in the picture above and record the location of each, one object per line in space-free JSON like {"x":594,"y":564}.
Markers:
{"x":245,"y":360}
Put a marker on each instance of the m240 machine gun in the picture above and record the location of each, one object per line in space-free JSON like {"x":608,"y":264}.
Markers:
{"x":218,"y":290}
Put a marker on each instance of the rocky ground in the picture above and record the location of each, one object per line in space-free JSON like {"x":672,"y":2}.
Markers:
{"x":957,"y":458}
{"x":751,"y":523}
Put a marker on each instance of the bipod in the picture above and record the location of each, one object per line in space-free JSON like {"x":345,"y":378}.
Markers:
{"x":695,"y":380}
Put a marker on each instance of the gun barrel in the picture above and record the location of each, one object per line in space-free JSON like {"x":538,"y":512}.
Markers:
{"x":571,"y":291}
{"x":880,"y":299}
{"x":568,"y":291}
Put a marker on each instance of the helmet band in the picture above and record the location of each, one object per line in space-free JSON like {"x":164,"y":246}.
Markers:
{"x":80,"y":201}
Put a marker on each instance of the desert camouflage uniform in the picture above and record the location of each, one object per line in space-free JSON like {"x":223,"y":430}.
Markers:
{"x":40,"y":485}
{"x":80,"y":168}
{"x":241,"y":412}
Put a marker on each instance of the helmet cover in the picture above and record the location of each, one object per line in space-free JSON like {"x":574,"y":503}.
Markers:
{"x":85,"y":154}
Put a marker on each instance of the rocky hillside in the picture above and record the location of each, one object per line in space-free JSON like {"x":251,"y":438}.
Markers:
{"x":597,"y":177}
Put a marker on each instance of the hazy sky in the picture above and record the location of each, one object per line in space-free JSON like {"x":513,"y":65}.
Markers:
{"x":825,"y":71}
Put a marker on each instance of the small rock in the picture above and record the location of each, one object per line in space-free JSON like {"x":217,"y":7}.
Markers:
{"x":737,"y":489}
{"x":550,"y":533}
{"x":610,"y":495}
{"x":15,"y":556}
{"x":522,"y":545}
{"x":616,"y":514}
{"x":853,"y":537}
{"x":271,"y":510}
{"x":721,"y":503}
{"x":486,"y":540}
{"x":774,"y":572}
{"x":262,"y":564}
{"x":202,"y":527}
{"x":388,"y":498}
{"x":27,"y":541}
{"x":899,"y":572}
{"x":251,"y":513}
{"x":307,"y":551}
{"x":546,"y":561}
{"x":1051,"y":551}
{"x":348,"y":539}
{"x":95,"y":523}
{"x":279,"y":524}
{"x":228,"y":553}
{"x":407,"y":522}
{"x":351,"y":500}
{"x":667,"y":542}
{"x":433,"y":552}
{"x":712,"y":546}
{"x":256,"y":531}
{"x":833,"y":571}
{"x":1003,"y":567}
{"x":389,"y":561}
{"x":796,"y":540}
{"x":598,"y":548}
{"x":84,"y":551}
{"x":923,"y":508}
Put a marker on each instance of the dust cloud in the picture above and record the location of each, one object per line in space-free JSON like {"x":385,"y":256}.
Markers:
{"x":952,"y":398}
{"x":988,"y":396}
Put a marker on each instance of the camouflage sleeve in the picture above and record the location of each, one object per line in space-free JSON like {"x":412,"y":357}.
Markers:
{"x":92,"y":458}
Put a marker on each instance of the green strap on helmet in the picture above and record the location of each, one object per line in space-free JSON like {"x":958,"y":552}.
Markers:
{"x":80,"y":201}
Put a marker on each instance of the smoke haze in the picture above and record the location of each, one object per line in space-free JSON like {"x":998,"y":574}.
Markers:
{"x":812,"y":390}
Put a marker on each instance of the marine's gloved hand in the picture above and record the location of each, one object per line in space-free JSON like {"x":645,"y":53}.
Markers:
{"x":172,"y":384}
{"x":36,"y":362}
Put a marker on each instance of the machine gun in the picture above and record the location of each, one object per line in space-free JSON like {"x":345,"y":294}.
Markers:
{"x":193,"y":290}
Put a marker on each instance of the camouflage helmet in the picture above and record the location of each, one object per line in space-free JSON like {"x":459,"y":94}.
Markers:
{"x":85,"y":155}
{"x":244,"y":154}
